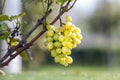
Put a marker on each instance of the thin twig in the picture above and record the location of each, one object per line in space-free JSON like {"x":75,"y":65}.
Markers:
{"x":3,"y":6}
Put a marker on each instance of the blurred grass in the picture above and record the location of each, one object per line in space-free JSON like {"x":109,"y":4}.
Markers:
{"x":66,"y":73}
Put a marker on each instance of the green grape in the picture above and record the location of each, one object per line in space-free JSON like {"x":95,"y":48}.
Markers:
{"x":50,"y":45}
{"x":61,"y":38}
{"x":65,"y":50}
{"x":62,"y":61}
{"x":49,"y":39}
{"x":56,"y":37}
{"x":57,"y":44}
{"x":57,"y":59}
{"x":68,"y":19}
{"x":50,"y":33}
{"x":58,"y":50}
{"x":53,"y":53}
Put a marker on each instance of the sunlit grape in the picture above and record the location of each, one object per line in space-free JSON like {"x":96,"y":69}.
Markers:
{"x":69,"y":59}
{"x":68,"y":19}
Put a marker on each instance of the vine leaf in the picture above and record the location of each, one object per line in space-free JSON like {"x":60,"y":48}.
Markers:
{"x":4,"y":32}
{"x":4,"y":18}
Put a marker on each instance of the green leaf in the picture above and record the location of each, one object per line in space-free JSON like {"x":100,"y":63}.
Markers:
{"x":60,"y":2}
{"x":4,"y":17}
{"x":17,"y":16}
{"x":4,"y":26}
{"x":4,"y":35}
{"x":22,"y":14}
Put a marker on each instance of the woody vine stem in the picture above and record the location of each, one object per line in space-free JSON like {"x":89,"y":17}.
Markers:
{"x":4,"y":61}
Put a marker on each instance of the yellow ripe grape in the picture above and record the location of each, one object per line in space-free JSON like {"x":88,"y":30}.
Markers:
{"x":79,"y":36}
{"x":69,"y":60}
{"x":69,"y":45}
{"x":58,"y":50}
{"x":62,"y":61}
{"x":50,"y":45}
{"x":68,"y":19}
{"x":69,"y":52}
{"x":77,"y":30}
{"x":57,"y":59}
{"x":76,"y":41}
{"x":64,"y":43}
{"x":73,"y":35}
{"x":53,"y":53}
{"x":65,"y":50}
{"x":71,"y":28}
{"x":50,"y":33}
{"x":67,"y":25}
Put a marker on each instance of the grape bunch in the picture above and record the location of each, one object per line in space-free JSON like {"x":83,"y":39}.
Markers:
{"x":60,"y":41}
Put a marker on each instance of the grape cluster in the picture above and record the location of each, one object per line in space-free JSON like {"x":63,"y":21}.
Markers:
{"x":60,"y":41}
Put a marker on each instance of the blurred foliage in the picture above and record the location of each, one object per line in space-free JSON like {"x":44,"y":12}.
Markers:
{"x":34,"y":10}
{"x":106,"y":18}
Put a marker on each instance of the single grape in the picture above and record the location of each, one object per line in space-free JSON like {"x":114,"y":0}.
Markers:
{"x":50,"y":45}
{"x":56,"y":37}
{"x":69,"y":59}
{"x":58,"y":44}
{"x":65,"y":50}
{"x":57,"y":59}
{"x":50,"y":33}
{"x":62,"y":60}
{"x":73,"y":35}
{"x":53,"y":53}
{"x":68,"y":19}
{"x":49,"y":39}
{"x":58,"y":50}
{"x":61,"y":38}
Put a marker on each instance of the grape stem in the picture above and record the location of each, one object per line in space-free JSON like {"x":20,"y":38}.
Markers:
{"x":4,"y":61}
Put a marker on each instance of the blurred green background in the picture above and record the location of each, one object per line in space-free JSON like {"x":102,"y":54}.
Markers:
{"x":99,"y":22}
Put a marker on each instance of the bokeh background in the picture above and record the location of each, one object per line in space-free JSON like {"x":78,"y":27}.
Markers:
{"x":99,"y":21}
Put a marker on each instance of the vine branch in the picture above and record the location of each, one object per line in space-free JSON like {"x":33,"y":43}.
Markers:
{"x":23,"y":45}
